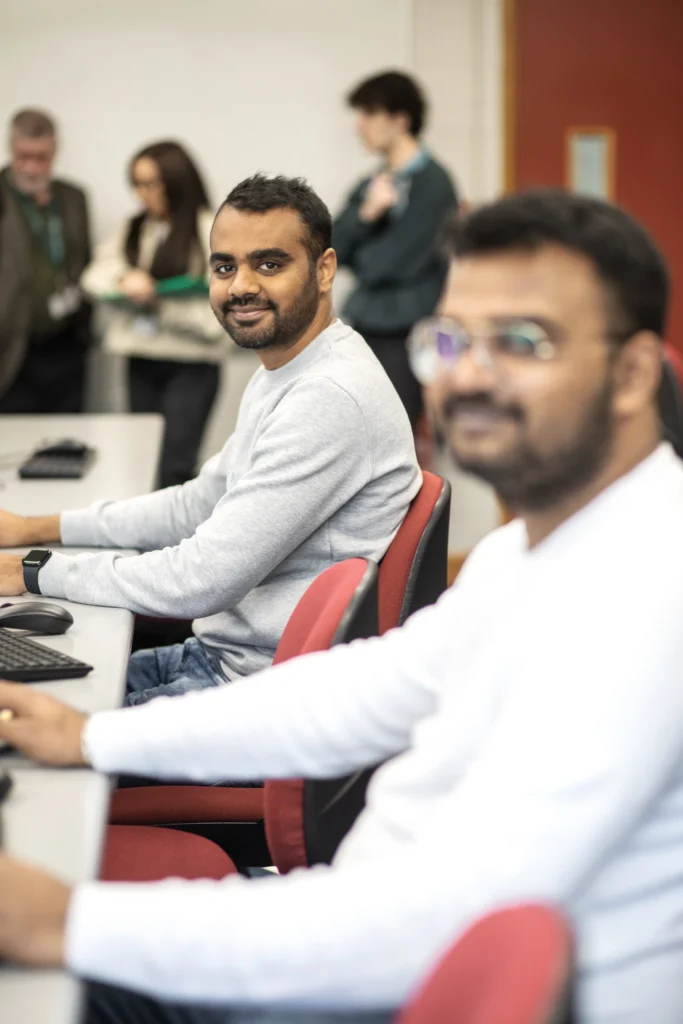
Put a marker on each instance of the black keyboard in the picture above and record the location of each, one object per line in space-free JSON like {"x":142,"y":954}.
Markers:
{"x":25,"y":661}
{"x":56,"y":467}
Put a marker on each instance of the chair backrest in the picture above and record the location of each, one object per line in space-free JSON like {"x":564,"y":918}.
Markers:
{"x":413,"y":572}
{"x":339,"y":606}
{"x":512,"y":967}
{"x":670,"y":398}
{"x":412,"y":575}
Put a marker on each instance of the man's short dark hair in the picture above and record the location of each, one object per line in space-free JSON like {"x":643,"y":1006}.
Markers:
{"x":622,"y":253}
{"x":33,"y":124}
{"x":394,"y":93}
{"x":260,"y":193}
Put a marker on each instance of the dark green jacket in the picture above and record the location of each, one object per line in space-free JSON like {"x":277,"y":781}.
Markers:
{"x":398,"y":261}
{"x":16,"y":268}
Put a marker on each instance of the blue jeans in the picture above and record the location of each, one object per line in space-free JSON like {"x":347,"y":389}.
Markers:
{"x":170,"y":671}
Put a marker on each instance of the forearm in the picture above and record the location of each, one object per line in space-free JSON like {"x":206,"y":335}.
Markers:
{"x":147,"y":522}
{"x":42,"y":530}
{"x":323,"y":939}
{"x":318,"y":716}
{"x":236,"y":548}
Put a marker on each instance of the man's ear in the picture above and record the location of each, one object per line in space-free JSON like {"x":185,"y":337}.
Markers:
{"x":326,"y":270}
{"x":638,"y":373}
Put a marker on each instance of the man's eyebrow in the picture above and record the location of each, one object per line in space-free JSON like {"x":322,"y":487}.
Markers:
{"x":258,"y":255}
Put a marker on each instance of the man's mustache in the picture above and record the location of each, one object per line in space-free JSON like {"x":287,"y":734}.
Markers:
{"x":480,"y":401}
{"x":246,"y":303}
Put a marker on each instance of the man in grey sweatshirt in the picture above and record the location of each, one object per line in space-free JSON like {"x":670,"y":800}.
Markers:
{"x":321,"y":466}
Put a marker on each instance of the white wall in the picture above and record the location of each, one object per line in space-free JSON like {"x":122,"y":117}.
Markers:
{"x":247,"y":86}
{"x":457,"y":51}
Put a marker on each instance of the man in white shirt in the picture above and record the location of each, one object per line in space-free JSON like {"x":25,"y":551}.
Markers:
{"x":532,"y":720}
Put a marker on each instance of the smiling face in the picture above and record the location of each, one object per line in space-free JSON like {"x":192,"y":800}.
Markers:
{"x":265,"y":290}
{"x":536,"y":429}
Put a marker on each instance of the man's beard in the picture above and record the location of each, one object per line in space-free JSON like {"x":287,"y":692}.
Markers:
{"x":283,"y":330}
{"x":30,"y":185}
{"x":531,"y":478}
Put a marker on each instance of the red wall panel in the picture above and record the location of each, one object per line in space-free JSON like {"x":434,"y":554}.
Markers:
{"x":607,"y":63}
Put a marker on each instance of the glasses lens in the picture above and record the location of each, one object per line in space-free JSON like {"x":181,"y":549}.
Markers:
{"x":422,"y":353}
{"x":524,"y":339}
{"x":432,"y":344}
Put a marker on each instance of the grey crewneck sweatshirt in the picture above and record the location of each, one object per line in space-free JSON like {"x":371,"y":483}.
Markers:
{"x":321,"y":467}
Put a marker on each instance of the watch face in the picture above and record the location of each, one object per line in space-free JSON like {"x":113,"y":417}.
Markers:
{"x":34,"y":559}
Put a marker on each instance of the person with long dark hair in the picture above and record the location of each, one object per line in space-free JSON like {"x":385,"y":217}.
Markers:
{"x":153,"y":276}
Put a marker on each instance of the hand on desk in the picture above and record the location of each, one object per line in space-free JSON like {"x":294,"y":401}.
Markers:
{"x":33,"y":909}
{"x":41,"y":727}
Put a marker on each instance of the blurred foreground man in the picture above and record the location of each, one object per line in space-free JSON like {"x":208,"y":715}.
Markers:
{"x":532,"y":720}
{"x":44,"y":248}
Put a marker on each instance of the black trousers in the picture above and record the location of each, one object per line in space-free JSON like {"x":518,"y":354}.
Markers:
{"x":391,"y":352}
{"x":106,"y":1005}
{"x":51,"y":380}
{"x":184,"y":394}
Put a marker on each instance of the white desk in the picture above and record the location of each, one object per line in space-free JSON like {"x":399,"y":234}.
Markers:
{"x":127,"y":454}
{"x":56,"y":819}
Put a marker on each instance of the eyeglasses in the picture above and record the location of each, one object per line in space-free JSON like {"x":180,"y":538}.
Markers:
{"x":438,"y":342}
{"x":147,"y":186}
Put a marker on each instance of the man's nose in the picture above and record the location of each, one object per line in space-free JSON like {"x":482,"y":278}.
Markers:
{"x":245,"y":282}
{"x":474,"y":372}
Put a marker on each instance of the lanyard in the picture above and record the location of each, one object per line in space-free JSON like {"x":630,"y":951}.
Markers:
{"x":46,"y":227}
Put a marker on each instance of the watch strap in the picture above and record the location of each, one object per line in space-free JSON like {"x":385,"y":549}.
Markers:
{"x":31,"y":571}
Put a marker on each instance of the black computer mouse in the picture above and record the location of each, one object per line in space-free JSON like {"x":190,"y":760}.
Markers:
{"x":38,"y":616}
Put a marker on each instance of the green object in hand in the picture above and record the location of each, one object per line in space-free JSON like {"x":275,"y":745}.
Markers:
{"x":184,"y":286}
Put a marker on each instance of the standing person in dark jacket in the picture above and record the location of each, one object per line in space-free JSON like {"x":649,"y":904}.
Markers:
{"x":389,"y":233}
{"x":44,"y":247}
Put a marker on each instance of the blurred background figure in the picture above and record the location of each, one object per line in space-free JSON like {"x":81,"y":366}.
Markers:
{"x":153,"y":275}
{"x":44,"y":246}
{"x":389,"y":233}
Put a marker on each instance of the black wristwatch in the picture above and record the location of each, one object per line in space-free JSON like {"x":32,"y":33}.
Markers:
{"x":33,"y":563}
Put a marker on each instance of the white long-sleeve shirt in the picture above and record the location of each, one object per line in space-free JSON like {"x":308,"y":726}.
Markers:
{"x":533,"y":722}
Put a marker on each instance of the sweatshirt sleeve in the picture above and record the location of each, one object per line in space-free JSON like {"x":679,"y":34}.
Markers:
{"x":149,"y":521}
{"x":581,"y":747}
{"x":296,"y":481}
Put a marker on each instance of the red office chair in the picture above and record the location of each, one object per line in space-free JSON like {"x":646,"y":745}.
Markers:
{"x":339,"y":606}
{"x":413,"y":572}
{"x":141,"y":853}
{"x":512,"y":967}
